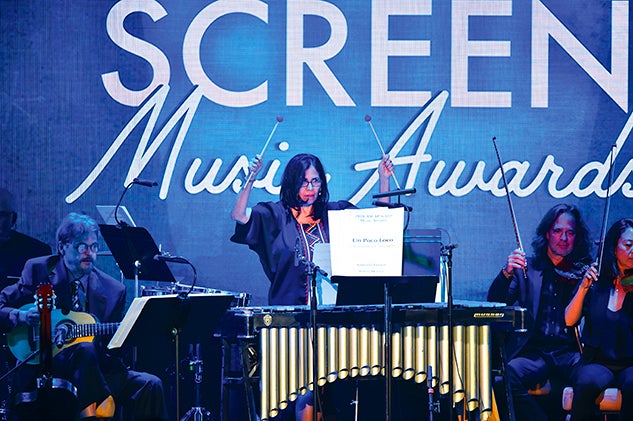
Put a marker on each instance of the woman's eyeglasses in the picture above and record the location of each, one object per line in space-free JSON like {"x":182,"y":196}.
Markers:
{"x":315,"y":182}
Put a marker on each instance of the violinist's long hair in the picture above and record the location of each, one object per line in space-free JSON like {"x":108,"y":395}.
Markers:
{"x":609,"y":269}
{"x":293,"y":177}
{"x":582,"y":243}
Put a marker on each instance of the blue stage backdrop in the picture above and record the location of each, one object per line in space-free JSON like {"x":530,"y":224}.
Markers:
{"x":96,"y":93}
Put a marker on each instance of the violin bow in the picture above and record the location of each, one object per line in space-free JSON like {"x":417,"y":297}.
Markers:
{"x":505,"y":185}
{"x":605,"y":214}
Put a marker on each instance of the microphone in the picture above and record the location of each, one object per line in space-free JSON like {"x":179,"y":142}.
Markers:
{"x":146,"y":183}
{"x":321,"y":271}
{"x":61,"y":333}
{"x":392,"y":205}
{"x":168,"y":258}
{"x":391,"y":193}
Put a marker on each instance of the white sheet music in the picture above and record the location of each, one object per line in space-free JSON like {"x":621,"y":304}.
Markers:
{"x":321,"y":257}
{"x":128,"y":321}
{"x":107,"y":213}
{"x":366,"y":242}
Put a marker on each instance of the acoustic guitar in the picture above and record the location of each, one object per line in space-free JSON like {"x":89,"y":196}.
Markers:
{"x":68,"y":330}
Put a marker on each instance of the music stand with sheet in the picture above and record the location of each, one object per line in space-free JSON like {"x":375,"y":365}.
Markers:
{"x":155,"y":321}
{"x":107,"y":213}
{"x":133,"y":249}
{"x":367,"y":290}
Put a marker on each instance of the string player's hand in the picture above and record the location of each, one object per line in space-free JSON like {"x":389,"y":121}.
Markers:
{"x":591,"y":276}
{"x":516,"y":260}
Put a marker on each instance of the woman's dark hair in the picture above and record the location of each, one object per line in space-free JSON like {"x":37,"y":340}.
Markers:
{"x":609,"y":268}
{"x":293,"y":177}
{"x":582,"y":243}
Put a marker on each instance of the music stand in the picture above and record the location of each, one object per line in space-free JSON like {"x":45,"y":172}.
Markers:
{"x":368,"y":290}
{"x":133,"y":249}
{"x":107,"y":213}
{"x":153,"y":321}
{"x":351,"y":286}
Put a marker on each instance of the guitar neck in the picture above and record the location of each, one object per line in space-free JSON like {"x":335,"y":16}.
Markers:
{"x":92,"y":329}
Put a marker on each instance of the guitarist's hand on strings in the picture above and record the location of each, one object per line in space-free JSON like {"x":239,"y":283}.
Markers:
{"x":516,"y":260}
{"x":27,"y":317}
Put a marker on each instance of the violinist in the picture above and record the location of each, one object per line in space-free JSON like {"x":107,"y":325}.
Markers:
{"x":607,"y":306}
{"x":548,"y":351}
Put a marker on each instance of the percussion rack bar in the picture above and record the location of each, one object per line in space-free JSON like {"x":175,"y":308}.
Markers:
{"x":351,"y":345}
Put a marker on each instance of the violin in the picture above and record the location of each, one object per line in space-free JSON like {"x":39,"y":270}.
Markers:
{"x":574,"y":271}
{"x":627,"y":278}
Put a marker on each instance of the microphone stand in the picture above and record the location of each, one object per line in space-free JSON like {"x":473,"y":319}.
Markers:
{"x":433,"y":405}
{"x":20,"y":364}
{"x":313,"y":322}
{"x":388,"y":298}
{"x":183,"y":301}
{"x":447,"y":254}
{"x":388,"y":357}
{"x":121,"y":224}
{"x":311,"y":269}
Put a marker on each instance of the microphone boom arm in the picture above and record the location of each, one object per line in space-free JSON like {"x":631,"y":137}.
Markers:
{"x":146,"y":183}
{"x":179,"y":259}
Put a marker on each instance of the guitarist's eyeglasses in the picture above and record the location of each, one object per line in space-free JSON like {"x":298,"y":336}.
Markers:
{"x":82,"y":247}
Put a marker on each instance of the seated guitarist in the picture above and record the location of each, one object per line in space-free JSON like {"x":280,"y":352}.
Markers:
{"x":104,"y":384}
